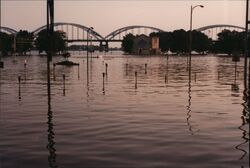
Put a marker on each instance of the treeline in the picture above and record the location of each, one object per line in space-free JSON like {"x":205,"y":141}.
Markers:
{"x":228,"y":42}
{"x":24,"y":41}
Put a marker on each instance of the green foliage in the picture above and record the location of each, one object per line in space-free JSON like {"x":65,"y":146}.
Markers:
{"x":200,"y":42}
{"x":6,"y":42}
{"x":127,"y":43}
{"x":55,"y":43}
{"x":230,"y":42}
{"x":24,"y":42}
{"x":179,"y":41}
{"x":165,"y":40}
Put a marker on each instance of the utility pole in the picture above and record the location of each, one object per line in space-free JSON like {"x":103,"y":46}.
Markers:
{"x":246,"y":44}
{"x":50,"y":26}
{"x":50,"y":30}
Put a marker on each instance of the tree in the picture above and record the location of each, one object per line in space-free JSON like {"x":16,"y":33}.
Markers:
{"x":127,"y":43}
{"x":55,"y":43}
{"x":229,"y":42}
{"x":179,"y":41}
{"x":6,"y":42}
{"x":24,"y":42}
{"x":200,"y":42}
{"x":165,"y":40}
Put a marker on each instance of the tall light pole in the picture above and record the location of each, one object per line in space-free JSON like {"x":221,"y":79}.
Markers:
{"x":89,"y":29}
{"x":190,"y":34}
{"x":0,"y":25}
{"x":246,"y":43}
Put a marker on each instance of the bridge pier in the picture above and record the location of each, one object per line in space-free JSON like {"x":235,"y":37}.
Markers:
{"x":104,"y":47}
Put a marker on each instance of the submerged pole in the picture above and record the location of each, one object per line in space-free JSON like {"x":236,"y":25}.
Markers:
{"x":246,"y":45}
{"x":106,"y":69}
{"x":64,"y":84}
{"x":136,"y":79}
{"x":19,"y":87}
{"x":103,"y":83}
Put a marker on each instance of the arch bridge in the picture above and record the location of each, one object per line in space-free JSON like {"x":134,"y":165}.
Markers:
{"x":8,"y":30}
{"x":212,"y":31}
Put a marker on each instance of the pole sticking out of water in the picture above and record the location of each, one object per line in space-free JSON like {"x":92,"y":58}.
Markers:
{"x":78,"y":72}
{"x":195,"y":76}
{"x":25,"y":64}
{"x":146,"y":68}
{"x":126,"y":69}
{"x":103,"y":83}
{"x":136,"y":79}
{"x":19,"y":87}
{"x":106,"y":69}
{"x":64,"y":84}
{"x":54,"y":71}
{"x":235,"y":71}
{"x":166,"y":78}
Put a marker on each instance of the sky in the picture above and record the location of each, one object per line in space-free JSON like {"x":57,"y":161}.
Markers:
{"x":108,"y":15}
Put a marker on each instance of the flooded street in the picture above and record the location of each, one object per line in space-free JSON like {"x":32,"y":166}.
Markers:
{"x":164,"y":120}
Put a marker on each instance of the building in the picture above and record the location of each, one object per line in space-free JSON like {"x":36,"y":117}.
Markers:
{"x":145,"y":45}
{"x":141,"y":45}
{"x":155,"y":49}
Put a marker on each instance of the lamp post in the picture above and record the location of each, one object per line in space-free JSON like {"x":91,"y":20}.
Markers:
{"x":246,"y":43}
{"x":190,"y":34}
{"x":89,"y":29}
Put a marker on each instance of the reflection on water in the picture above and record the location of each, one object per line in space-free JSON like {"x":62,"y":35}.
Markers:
{"x":51,"y":134}
{"x":189,"y":109}
{"x":243,"y":127}
{"x":105,"y":122}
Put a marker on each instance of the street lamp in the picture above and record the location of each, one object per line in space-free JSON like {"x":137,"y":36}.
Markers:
{"x":89,"y":29}
{"x":190,"y":33}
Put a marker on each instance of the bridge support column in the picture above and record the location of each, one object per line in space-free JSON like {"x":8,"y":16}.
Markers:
{"x":104,"y":47}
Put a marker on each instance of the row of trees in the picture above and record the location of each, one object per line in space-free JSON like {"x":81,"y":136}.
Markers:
{"x":178,"y":42}
{"x":24,"y":41}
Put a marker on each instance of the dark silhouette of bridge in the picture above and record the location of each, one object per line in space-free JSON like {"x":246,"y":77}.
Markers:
{"x":80,"y":33}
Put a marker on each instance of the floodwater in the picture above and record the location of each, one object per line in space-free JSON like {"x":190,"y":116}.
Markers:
{"x":165,"y":120}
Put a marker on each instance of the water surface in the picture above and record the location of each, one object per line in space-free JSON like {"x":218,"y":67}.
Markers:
{"x":165,"y":120}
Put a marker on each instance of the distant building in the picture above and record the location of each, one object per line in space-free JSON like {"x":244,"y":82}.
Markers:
{"x":155,"y":49}
{"x":142,"y":45}
{"x":145,"y":45}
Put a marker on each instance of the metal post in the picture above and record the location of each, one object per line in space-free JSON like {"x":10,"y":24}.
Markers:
{"x":106,"y":68}
{"x":246,"y":44}
{"x":190,"y":36}
{"x":136,"y":79}
{"x":19,"y":87}
{"x":0,"y":28}
{"x":190,"y":40}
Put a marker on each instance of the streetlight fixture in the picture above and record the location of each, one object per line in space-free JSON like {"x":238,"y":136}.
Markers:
{"x":190,"y":33}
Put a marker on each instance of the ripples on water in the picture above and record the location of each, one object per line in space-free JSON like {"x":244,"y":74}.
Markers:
{"x":166,"y":121}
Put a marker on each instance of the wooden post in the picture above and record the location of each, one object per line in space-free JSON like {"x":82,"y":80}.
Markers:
{"x":146,"y":68}
{"x":126,"y":69}
{"x":166,"y":78}
{"x":19,"y":87}
{"x":136,"y":79}
{"x":106,"y":69}
{"x":195,"y":76}
{"x":64,"y":84}
{"x":103,"y":76}
{"x":78,"y":72}
{"x":54,"y":71}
